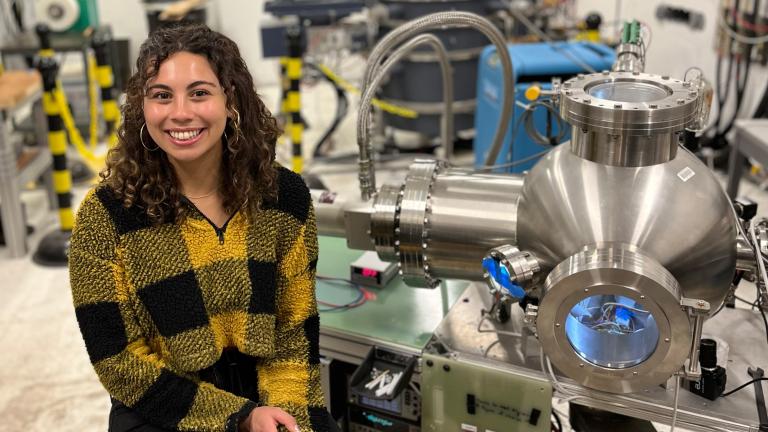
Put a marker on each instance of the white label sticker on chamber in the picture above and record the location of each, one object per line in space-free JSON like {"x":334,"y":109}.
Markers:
{"x":686,"y":173}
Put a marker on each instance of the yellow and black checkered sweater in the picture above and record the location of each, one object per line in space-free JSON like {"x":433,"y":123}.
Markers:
{"x":156,"y":304}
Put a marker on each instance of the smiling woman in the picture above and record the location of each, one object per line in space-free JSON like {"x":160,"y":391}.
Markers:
{"x":192,"y":264}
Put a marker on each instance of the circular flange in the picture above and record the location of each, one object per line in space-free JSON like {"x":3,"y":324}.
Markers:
{"x":628,"y":103}
{"x":614,"y":270}
{"x":412,"y":231}
{"x":384,"y":221}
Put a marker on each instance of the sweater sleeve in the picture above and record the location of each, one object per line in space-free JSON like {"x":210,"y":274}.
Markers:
{"x":119,"y":351}
{"x":291,"y":378}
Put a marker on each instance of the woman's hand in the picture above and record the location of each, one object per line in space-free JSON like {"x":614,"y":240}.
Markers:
{"x":266,"y":419}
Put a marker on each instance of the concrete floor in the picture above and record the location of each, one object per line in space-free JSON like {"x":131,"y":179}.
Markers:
{"x":46,"y":381}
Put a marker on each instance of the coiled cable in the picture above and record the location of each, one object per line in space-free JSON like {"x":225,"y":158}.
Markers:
{"x":546,"y":139}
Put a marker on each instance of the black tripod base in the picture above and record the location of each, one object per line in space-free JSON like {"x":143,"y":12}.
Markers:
{"x":53,"y":249}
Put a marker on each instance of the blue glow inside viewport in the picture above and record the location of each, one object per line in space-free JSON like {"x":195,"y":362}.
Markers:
{"x":612,"y":331}
{"x":498,"y":276}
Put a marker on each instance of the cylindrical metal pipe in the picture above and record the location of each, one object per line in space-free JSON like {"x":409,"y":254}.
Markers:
{"x":470,"y":214}
{"x":693,"y":356}
{"x":329,"y":213}
{"x":629,"y":58}
{"x":745,"y":256}
{"x":623,"y":150}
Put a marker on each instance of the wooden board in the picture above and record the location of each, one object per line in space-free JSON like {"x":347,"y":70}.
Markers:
{"x":15,"y":86}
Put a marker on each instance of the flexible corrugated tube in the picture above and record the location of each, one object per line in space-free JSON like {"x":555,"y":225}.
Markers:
{"x":440,"y":20}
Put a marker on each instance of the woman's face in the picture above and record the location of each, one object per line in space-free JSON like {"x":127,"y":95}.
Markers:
{"x":185,"y":108}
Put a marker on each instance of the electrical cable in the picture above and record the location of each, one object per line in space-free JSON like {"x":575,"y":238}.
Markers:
{"x":746,"y":384}
{"x":530,"y":127}
{"x":342,"y":106}
{"x":384,"y":106}
{"x":515,"y":163}
{"x":674,"y":409}
{"x":5,"y":10}
{"x":549,"y":41}
{"x":362,"y":295}
{"x":741,"y":83}
{"x":502,"y":332}
{"x":8,"y":15}
{"x":762,"y":274}
{"x":722,"y":94}
{"x":739,"y":37}
{"x":557,"y":421}
{"x":745,"y":301}
{"x":765,"y":320}
{"x":692,"y":68}
{"x":647,"y":45}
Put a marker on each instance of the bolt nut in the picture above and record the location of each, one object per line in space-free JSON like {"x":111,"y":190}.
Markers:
{"x":680,"y":101}
{"x":653,"y":106}
{"x":686,"y":83}
{"x":587,"y":101}
{"x":665,"y":77}
{"x":446,"y":368}
{"x":618,"y":105}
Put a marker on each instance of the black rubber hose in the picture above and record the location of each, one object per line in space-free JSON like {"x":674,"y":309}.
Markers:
{"x":762,"y":108}
{"x":342,"y":106}
{"x":747,"y":58}
{"x":722,"y":94}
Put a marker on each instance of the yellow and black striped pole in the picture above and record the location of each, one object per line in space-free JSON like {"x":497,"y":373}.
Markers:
{"x":285,"y":84}
{"x":100,"y":44}
{"x":293,"y":99}
{"x":53,"y":248}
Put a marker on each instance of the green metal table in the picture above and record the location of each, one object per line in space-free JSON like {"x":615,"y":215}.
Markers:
{"x":399,"y":317}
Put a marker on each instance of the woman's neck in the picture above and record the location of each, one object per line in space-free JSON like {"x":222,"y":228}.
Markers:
{"x":200,"y":177}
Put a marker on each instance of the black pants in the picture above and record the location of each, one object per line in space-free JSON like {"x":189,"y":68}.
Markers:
{"x":124,"y":419}
{"x":233,"y":372}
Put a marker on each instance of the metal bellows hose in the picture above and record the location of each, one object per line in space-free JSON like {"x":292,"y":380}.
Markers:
{"x":363,"y":118}
{"x":440,"y":20}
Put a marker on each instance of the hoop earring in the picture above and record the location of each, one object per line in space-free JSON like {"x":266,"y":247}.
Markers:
{"x":141,"y":138}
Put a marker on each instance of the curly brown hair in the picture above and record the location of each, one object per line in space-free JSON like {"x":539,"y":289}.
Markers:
{"x":146,"y":179}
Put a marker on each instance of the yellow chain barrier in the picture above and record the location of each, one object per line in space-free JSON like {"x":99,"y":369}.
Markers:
{"x":385,"y":106}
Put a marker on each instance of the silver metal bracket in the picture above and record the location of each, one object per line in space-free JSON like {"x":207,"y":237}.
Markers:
{"x":698,"y":311}
{"x":529,"y":320}
{"x":687,"y":373}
